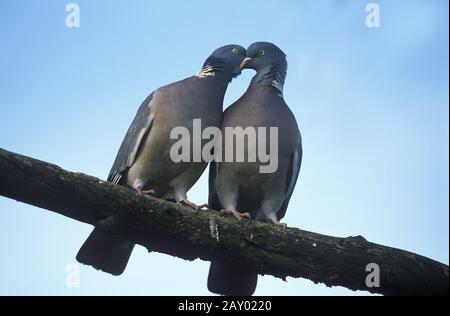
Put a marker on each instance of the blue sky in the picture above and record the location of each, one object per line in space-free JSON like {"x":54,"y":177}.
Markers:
{"x":372,"y":106}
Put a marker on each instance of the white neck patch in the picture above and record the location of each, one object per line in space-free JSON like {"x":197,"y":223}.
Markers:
{"x":277,"y":85}
{"x":206,"y":71}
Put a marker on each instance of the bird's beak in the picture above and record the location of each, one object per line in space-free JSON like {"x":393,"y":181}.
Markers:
{"x":245,"y":62}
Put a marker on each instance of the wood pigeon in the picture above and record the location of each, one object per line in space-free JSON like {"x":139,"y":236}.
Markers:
{"x":236,"y":187}
{"x":144,"y":162}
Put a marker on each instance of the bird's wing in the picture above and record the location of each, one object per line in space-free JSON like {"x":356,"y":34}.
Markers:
{"x":213,"y":199}
{"x":133,"y":141}
{"x":291,"y":180}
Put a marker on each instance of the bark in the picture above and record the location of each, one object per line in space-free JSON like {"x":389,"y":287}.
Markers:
{"x":176,"y":230}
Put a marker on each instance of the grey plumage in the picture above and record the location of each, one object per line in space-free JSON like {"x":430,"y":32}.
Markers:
{"x":132,"y":142}
{"x":143,"y":161}
{"x":240,"y":186}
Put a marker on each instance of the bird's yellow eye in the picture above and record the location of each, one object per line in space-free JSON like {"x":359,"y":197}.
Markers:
{"x":235,"y":50}
{"x":262,"y":52}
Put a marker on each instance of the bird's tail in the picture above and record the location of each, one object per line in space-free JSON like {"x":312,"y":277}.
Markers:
{"x":105,"y":252}
{"x":231,"y":280}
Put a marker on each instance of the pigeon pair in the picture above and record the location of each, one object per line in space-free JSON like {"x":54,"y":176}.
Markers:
{"x":144,"y":159}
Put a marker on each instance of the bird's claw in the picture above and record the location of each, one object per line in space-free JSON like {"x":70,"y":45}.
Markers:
{"x":192,"y":205}
{"x":236,"y":214}
{"x":145,"y":192}
{"x":278,"y":223}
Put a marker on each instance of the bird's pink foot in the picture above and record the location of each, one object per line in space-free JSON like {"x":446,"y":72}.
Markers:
{"x":146,"y":192}
{"x":236,"y":214}
{"x":278,"y":223}
{"x":194,"y":206}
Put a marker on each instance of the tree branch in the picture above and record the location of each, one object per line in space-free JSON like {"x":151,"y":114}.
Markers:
{"x":163,"y":226}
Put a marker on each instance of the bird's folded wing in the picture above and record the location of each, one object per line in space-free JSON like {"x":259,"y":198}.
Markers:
{"x":133,"y":141}
{"x":292,"y":175}
{"x":213,"y":199}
